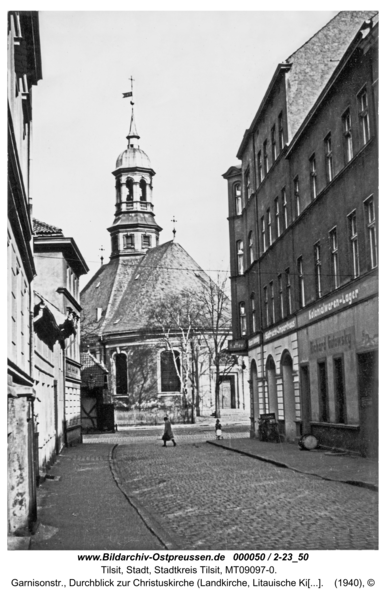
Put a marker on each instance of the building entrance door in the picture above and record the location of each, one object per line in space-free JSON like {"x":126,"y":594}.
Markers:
{"x":305,"y":398}
{"x":368,"y":402}
{"x":227,"y":393}
{"x":289,"y":397}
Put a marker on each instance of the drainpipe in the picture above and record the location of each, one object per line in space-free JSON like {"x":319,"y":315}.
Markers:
{"x":258,"y":270}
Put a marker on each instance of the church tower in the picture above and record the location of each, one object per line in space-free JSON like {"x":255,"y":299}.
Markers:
{"x":134,"y":229}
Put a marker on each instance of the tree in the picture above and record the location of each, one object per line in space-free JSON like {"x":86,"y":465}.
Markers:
{"x":215,"y":327}
{"x":175,"y":318}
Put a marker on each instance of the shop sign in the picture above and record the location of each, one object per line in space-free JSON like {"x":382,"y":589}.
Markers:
{"x":254,"y":341}
{"x":332,"y":342}
{"x":279,"y":330}
{"x":72,"y":371}
{"x":237,"y":345}
{"x":343,"y":300}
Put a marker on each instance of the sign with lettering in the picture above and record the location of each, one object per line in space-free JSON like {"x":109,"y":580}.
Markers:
{"x":332,"y":343}
{"x":237,"y":345}
{"x":279,"y":330}
{"x":72,"y":370}
{"x":342,"y":300}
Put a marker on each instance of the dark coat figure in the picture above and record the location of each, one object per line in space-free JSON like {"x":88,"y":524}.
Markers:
{"x":168,"y":432}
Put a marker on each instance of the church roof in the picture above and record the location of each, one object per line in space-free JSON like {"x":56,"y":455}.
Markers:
{"x":126,"y":290}
{"x":133,"y":157}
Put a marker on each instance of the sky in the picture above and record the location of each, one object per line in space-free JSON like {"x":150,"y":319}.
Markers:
{"x":199,"y":78}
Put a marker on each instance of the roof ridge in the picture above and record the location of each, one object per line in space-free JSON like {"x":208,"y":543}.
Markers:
{"x":43,"y":224}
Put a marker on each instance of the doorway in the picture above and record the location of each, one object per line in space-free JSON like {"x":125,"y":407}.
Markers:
{"x":368,"y":402}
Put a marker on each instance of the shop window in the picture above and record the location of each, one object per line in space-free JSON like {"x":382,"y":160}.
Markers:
{"x":340,"y":397}
{"x":120,"y":374}
{"x":323,"y":392}
{"x":170,"y":370}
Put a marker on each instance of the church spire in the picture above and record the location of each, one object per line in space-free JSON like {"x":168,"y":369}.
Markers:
{"x":133,"y":128}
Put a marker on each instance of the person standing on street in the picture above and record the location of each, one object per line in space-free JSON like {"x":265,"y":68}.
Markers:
{"x":168,"y":432}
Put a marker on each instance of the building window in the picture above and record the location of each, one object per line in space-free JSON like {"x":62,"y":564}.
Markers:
{"x":240,"y":257}
{"x":281,"y":299}
{"x":170,"y":370}
{"x":277,"y":217}
{"x":253,"y":312}
{"x":272,"y":292}
{"x":328,"y":157}
{"x":243,"y":319}
{"x":248,"y":187}
{"x":269,"y":226}
{"x":250,"y":247}
{"x":120,"y":374}
{"x":288,"y":291}
{"x":260,"y":167}
{"x":130,"y":192}
{"x":363,"y":106}
{"x":347,"y":133}
{"x":334,"y":258}
{"x":302,"y":298}
{"x":340,"y":396}
{"x":323,"y":392}
{"x":146,"y":241}
{"x":372,"y":231}
{"x":313,"y":177}
{"x":263,"y":239}
{"x":266,"y":305}
{"x":128,"y":241}
{"x":285,"y":208}
{"x":143,"y":197}
{"x":281,"y":132}
{"x":352,"y":222}
{"x":297,"y":196}
{"x":265,"y":157}
{"x":273,"y":144}
{"x":318,"y":271}
{"x":238,"y":199}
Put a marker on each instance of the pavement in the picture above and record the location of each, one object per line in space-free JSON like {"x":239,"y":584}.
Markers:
{"x":329,"y":465}
{"x":124,"y":491}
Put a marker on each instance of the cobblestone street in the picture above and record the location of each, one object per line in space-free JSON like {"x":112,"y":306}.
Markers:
{"x":207,"y":497}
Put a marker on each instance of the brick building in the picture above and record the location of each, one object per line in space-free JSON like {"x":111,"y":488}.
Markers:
{"x":303,"y":240}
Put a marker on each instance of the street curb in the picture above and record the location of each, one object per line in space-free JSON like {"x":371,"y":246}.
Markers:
{"x":154,"y":527}
{"x":370,"y":486}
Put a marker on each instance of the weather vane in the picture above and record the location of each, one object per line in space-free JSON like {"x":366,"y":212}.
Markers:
{"x":129,"y":94}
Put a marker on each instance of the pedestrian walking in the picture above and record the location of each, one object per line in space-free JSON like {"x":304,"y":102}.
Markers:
{"x":168,"y":432}
{"x":218,"y":430}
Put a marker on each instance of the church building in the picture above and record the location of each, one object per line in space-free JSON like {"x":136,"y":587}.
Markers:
{"x":141,"y":368}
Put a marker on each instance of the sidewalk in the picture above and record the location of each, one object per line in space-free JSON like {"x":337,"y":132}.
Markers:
{"x":81,"y":507}
{"x":346,"y":468}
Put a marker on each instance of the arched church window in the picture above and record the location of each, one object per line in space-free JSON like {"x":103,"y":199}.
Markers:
{"x":128,"y":241}
{"x":130,"y":190}
{"x":120,"y":374}
{"x":146,"y":241}
{"x":170,"y":368}
{"x":142,"y":186}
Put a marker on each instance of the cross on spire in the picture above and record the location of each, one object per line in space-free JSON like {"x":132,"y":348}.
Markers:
{"x":101,"y":249}
{"x":174,"y":220}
